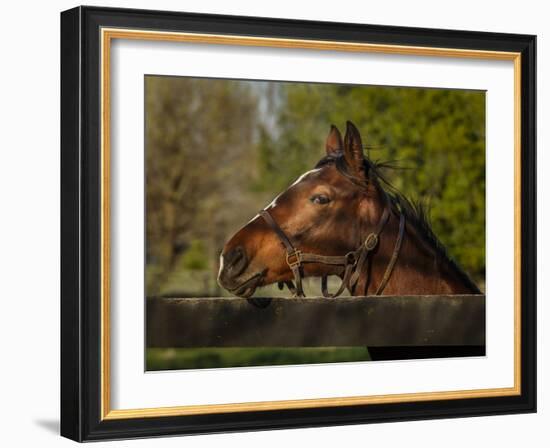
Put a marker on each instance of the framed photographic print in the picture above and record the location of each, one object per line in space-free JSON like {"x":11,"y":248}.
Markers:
{"x":273,"y":224}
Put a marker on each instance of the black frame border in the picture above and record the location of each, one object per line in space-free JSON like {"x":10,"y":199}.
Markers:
{"x":81,"y":223}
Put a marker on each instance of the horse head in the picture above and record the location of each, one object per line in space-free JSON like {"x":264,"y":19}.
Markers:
{"x":325,"y":211}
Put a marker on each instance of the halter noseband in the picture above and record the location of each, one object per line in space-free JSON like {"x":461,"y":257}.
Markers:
{"x":353,"y":262}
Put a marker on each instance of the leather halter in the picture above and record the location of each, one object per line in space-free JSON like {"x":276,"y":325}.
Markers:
{"x":354,"y":262}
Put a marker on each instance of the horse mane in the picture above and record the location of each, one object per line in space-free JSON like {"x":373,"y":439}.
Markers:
{"x":416,"y":212}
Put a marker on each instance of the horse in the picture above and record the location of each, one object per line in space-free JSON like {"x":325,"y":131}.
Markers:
{"x":342,"y":218}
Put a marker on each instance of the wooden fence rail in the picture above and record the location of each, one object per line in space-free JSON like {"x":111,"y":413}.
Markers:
{"x":384,"y":321}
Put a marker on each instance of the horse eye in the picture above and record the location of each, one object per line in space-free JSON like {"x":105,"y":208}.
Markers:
{"x":320,"y":199}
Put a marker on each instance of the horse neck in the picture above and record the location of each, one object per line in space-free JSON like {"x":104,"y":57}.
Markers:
{"x":421,"y":269}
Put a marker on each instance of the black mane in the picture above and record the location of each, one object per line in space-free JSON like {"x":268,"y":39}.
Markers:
{"x":416,"y":212}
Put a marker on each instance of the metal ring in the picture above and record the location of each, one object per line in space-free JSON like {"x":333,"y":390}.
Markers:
{"x":350,"y":258}
{"x":371,"y":242}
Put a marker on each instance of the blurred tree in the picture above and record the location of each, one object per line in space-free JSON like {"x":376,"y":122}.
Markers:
{"x":199,"y":133}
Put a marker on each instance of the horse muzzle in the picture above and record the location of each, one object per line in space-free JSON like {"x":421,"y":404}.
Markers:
{"x":233,"y":276}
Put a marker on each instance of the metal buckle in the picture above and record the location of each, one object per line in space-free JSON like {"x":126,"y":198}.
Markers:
{"x":351,"y":259}
{"x":371,"y":241}
{"x":297,"y":254}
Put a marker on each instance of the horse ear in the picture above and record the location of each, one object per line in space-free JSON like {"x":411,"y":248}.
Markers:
{"x":353,"y":149}
{"x":334,"y":142}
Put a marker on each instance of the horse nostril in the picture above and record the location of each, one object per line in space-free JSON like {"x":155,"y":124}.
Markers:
{"x":233,"y":255}
{"x":234,"y":261}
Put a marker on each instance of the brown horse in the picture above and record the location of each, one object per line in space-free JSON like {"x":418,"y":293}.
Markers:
{"x":342,"y":218}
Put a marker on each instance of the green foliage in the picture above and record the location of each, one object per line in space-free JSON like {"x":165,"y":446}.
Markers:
{"x":208,"y":358}
{"x":195,"y":258}
{"x":436,"y":135}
